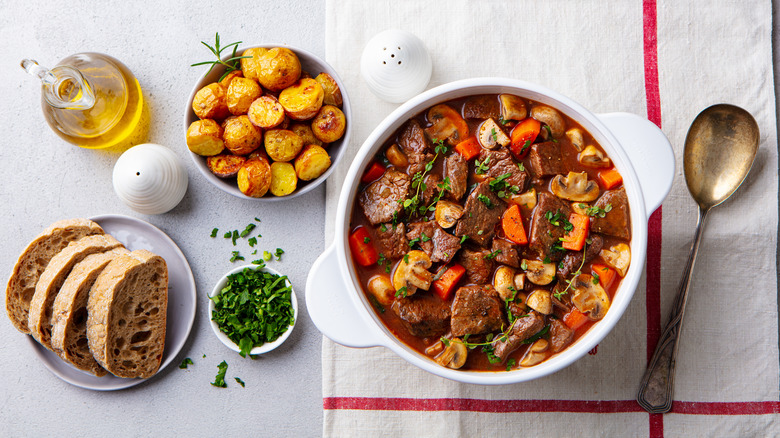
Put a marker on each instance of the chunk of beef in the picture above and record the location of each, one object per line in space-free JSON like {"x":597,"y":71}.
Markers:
{"x":431,"y":238}
{"x":481,"y":107}
{"x":456,"y":168}
{"x":476,"y":310}
{"x":392,"y":241}
{"x":616,"y":222}
{"x":500,"y":162}
{"x":506,"y":253}
{"x":560,"y":335}
{"x":544,"y":235}
{"x":431,"y":181}
{"x":445,"y":246}
{"x":414,"y":145}
{"x":573,"y":259}
{"x":482,"y":212}
{"x":478,"y":268}
{"x":423,"y":314}
{"x":522,"y":329}
{"x":380,"y":199}
{"x":545,"y":159}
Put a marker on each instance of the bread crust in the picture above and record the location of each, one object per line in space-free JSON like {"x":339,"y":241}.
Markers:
{"x":127,"y":311}
{"x":69,"y":320}
{"x":52,"y":278}
{"x":33,"y":261}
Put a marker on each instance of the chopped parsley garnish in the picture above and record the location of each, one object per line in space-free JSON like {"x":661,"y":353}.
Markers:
{"x":406,"y":258}
{"x":267,"y":256}
{"x":520,"y":165}
{"x":502,"y":188}
{"x":185,"y":362}
{"x":366,"y":239}
{"x":252,"y":241}
{"x":401,"y":293}
{"x":492,"y":255}
{"x":253,"y":308}
{"x":278,"y":253}
{"x":219,"y":380}
{"x":248,"y":230}
{"x":424,"y":238}
{"x":481,"y":168}
{"x":383,"y":228}
{"x":494,"y":134}
{"x":595,"y":278}
{"x":489,"y":352}
{"x":509,"y":364}
{"x":596,"y":211}
{"x":227,"y":235}
{"x":463,"y":238}
{"x":234,"y":237}
{"x":214,"y":232}
{"x":485,"y":200}
{"x":235,"y":256}
{"x":412,"y":205}
{"x":240,"y":382}
{"x":502,"y":120}
{"x":259,"y":263}
{"x":538,"y":335}
{"x":383,"y":261}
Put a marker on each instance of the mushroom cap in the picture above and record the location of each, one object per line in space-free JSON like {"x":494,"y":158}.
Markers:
{"x":412,"y":272}
{"x":575,"y":187}
{"x":504,"y":282}
{"x":618,"y":257}
{"x":550,"y":117}
{"x":447,"y":213}
{"x":589,"y":297}
{"x":538,"y":272}
{"x":541,"y":301}
{"x":592,"y":157}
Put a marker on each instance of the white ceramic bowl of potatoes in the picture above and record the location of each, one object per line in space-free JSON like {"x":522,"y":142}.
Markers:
{"x":271,"y":131}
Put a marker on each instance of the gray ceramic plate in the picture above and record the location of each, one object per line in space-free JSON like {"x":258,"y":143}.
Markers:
{"x":137,"y":234}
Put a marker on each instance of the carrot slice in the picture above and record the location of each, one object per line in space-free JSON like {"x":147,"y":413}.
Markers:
{"x":604,"y":273}
{"x":610,"y":178}
{"x":468,"y":148}
{"x":374,"y":172}
{"x":574,"y":319}
{"x":363,"y":251}
{"x":512,"y":223}
{"x":575,"y":239}
{"x":444,"y":286}
{"x":523,"y":135}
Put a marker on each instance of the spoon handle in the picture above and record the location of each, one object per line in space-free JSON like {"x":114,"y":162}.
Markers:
{"x":655,"y":391}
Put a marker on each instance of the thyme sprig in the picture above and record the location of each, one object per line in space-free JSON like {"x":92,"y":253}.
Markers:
{"x":230,"y":64}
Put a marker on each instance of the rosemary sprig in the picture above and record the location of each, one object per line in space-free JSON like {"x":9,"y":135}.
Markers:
{"x":230,"y":64}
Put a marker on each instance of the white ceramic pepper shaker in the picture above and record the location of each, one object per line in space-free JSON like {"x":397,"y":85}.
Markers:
{"x":150,"y":179}
{"x":396,"y":65}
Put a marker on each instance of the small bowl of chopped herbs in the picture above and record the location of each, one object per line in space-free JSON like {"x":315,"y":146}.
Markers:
{"x":253,"y":309}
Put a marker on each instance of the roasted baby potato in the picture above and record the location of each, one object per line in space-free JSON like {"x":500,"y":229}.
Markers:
{"x":254,"y":177}
{"x":266,"y":112}
{"x":283,"y":179}
{"x":331,"y":89}
{"x":249,"y":65}
{"x":210,"y":102}
{"x":312,"y":162}
{"x":225,"y":82}
{"x":305,"y":133}
{"x":303,"y":99}
{"x":225,"y":165}
{"x":282,"y":144}
{"x":278,"y":68}
{"x":329,"y":124}
{"x":240,"y":135}
{"x":204,"y":137}
{"x":241,"y":93}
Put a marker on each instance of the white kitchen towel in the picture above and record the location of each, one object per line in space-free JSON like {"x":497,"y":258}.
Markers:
{"x":664,"y":60}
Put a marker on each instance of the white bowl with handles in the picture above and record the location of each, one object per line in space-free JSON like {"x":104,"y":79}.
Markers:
{"x":640,"y":152}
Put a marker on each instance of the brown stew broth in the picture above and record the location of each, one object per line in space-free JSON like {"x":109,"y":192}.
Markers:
{"x":478,"y":361}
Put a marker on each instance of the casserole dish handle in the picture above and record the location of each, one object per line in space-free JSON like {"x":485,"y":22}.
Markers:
{"x":650,"y":154}
{"x":329,"y":305}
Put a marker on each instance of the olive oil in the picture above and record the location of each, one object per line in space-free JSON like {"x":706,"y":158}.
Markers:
{"x":93,"y":101}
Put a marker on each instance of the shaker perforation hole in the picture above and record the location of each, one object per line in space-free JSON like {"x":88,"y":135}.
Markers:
{"x":138,"y":174}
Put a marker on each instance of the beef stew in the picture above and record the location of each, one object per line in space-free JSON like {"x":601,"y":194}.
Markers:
{"x":438,"y":233}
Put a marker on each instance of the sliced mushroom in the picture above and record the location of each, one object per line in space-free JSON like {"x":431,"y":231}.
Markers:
{"x":575,"y":187}
{"x":593,"y":157}
{"x":539,"y":273}
{"x":589,"y":297}
{"x":519,"y":281}
{"x":396,"y":157}
{"x":541,"y":301}
{"x":382,"y":289}
{"x":447,"y":125}
{"x":535,"y":354}
{"x":454,"y":355}
{"x":512,"y":107}
{"x":550,"y":117}
{"x":412,"y":272}
{"x":617,"y":257}
{"x":447,"y":213}
{"x":575,"y":137}
{"x":491,"y":136}
{"x":525,"y":200}
{"x":504,"y":282}
{"x":434,"y":349}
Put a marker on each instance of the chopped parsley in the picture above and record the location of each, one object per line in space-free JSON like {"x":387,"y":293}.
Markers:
{"x":366,"y":239}
{"x":259,"y":263}
{"x":214,"y":232}
{"x":234,"y":237}
{"x":485,"y":200}
{"x":424,"y":238}
{"x":494,"y":134}
{"x":235,"y":256}
{"x":248,"y":230}
{"x":596,"y":211}
{"x":412,"y":205}
{"x":490,"y":353}
{"x":252,"y":241}
{"x":240,"y":382}
{"x":219,"y":380}
{"x":463,"y":238}
{"x":267,"y":256}
{"x":481,"y":168}
{"x":596,"y":278}
{"x":401,"y":293}
{"x":383,"y":228}
{"x":185,"y":362}
{"x":520,"y":165}
{"x":502,"y":188}
{"x":278,"y":253}
{"x":492,"y":255}
{"x":509,"y":364}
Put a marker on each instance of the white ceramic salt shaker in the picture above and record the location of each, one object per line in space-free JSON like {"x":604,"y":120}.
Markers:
{"x":396,"y":65}
{"x":150,"y":179}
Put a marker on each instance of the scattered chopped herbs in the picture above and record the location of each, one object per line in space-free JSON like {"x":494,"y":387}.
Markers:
{"x":234,"y":237}
{"x":494,"y":134}
{"x":596,"y":211}
{"x":595,"y":278}
{"x":481,"y":168}
{"x":259,"y":263}
{"x":547,"y":260}
{"x":490,"y":353}
{"x":240,"y":382}
{"x":502,"y":188}
{"x":413,"y":242}
{"x":424,"y":238}
{"x":557,"y":219}
{"x":446,"y":341}
{"x":412,"y":205}
{"x":235,"y":256}
{"x":267,"y":256}
{"x":185,"y":362}
{"x":509,"y":364}
{"x":252,"y":241}
{"x":248,"y":230}
{"x":502,"y":120}
{"x":278,"y":254}
{"x":258,"y":219}
{"x":463,"y":238}
{"x":520,"y":165}
{"x":204,"y":355}
{"x":401,"y":293}
{"x":406,"y":258}
{"x":253,"y":308}
{"x":538,"y":335}
{"x":214,"y":232}
{"x":366,"y":239}
{"x":383,"y":228}
{"x":219,"y":380}
{"x":227,"y":235}
{"x":485,"y":200}
{"x":492,"y":255}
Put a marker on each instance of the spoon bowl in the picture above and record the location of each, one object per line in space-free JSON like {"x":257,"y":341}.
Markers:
{"x":719,"y":151}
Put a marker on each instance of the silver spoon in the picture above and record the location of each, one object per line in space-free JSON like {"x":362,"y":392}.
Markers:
{"x":719,"y":150}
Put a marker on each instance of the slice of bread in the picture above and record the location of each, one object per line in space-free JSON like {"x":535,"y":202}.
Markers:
{"x":69,"y":321}
{"x":50,"y":281}
{"x":34,"y":259}
{"x":127,"y":311}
